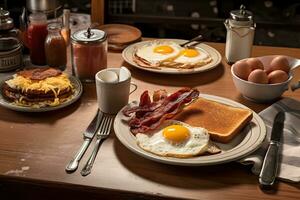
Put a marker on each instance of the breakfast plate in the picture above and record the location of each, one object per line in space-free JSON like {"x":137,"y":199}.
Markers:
{"x":249,"y":140}
{"x":75,"y":96}
{"x":215,"y":55}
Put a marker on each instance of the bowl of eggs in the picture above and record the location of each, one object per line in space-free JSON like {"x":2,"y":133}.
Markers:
{"x":263,"y":79}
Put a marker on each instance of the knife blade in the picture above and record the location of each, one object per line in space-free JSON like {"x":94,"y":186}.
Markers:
{"x":88,"y":136}
{"x":268,"y":172}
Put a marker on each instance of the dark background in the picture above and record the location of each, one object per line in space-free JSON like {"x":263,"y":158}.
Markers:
{"x":278,"y":21}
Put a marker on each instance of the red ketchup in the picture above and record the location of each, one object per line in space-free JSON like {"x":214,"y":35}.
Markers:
{"x":37,"y":33}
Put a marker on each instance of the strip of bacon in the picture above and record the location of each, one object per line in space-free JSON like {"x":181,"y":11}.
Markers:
{"x":39,"y":73}
{"x":150,"y":116}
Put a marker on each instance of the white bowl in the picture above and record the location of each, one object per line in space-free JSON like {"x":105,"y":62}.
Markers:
{"x":263,"y":92}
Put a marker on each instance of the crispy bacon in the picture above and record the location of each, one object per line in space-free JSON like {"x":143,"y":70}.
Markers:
{"x":149,"y":116}
{"x":159,"y":95}
{"x":39,"y":73}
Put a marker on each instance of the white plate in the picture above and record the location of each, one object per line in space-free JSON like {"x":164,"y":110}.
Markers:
{"x":216,"y":58}
{"x":243,"y":144}
{"x":77,"y":93}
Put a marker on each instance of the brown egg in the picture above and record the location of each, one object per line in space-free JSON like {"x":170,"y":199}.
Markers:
{"x":242,"y":69}
{"x":258,"y":76}
{"x":255,"y":63}
{"x":278,"y":76}
{"x":268,"y":69}
{"x":280,"y":63}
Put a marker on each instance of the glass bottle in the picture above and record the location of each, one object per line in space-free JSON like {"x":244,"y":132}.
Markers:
{"x":37,"y":33}
{"x":55,"y":47}
{"x":240,"y":34}
{"x":65,"y":31}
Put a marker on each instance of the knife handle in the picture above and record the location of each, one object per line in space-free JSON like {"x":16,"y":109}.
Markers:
{"x":269,"y":169}
{"x":73,"y":164}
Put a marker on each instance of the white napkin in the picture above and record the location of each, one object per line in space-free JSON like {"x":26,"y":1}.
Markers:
{"x":289,"y":167}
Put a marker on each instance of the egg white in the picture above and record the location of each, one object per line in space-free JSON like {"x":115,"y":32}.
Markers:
{"x":147,"y":53}
{"x":201,"y":58}
{"x":156,"y":143}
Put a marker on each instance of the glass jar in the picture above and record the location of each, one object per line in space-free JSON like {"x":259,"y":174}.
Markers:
{"x":55,"y":47}
{"x":37,"y":33}
{"x":89,"y":53}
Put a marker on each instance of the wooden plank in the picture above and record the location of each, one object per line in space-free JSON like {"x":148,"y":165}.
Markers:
{"x":97,"y":11}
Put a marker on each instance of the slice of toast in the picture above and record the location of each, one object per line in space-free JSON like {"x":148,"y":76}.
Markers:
{"x":222,"y":121}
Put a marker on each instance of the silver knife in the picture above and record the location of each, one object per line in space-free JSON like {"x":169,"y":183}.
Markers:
{"x":270,"y":165}
{"x":88,"y":137}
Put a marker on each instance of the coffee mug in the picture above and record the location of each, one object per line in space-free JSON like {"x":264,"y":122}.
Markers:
{"x":113,"y":89}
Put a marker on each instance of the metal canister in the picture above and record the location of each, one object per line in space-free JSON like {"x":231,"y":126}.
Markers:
{"x":89,"y":53}
{"x":240,"y":34}
{"x":10,"y":45}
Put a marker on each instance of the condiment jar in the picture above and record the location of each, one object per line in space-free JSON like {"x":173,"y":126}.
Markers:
{"x":240,"y":34}
{"x":37,"y":33}
{"x":89,"y":53}
{"x":55,"y":47}
{"x":10,"y":45}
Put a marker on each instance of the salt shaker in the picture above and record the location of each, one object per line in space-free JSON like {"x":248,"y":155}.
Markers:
{"x":240,"y":34}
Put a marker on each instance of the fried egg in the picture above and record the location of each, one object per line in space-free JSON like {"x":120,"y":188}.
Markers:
{"x":175,"y":139}
{"x":194,"y":56}
{"x":158,"y":51}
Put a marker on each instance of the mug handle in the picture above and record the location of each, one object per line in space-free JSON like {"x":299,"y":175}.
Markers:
{"x":134,"y":87}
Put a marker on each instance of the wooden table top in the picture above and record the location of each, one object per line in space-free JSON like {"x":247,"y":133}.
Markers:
{"x":35,"y":147}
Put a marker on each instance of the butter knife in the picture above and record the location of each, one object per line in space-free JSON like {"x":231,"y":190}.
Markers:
{"x":268,"y":172}
{"x":88,"y":137}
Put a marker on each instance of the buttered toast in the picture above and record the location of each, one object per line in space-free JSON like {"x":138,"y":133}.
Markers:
{"x":222,"y":121}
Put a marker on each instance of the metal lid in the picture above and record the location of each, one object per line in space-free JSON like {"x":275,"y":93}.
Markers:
{"x":6,"y":22}
{"x":89,"y":36}
{"x":241,"y":15}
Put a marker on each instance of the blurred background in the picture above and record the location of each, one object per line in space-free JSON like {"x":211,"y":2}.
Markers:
{"x":277,"y":22}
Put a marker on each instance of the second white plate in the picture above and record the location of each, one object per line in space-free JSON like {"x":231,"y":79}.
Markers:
{"x":243,"y":144}
{"x":216,"y":58}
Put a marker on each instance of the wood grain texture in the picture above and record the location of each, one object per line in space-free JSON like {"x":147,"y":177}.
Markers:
{"x":43,"y":143}
{"x":97,"y":11}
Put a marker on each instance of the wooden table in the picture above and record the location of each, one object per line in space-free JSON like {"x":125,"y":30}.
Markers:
{"x":35,"y":148}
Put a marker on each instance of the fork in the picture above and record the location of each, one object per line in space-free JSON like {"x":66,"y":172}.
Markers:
{"x":102,"y":134}
{"x":198,"y":38}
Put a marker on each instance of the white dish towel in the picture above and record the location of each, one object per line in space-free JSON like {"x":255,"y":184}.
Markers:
{"x":289,"y":158}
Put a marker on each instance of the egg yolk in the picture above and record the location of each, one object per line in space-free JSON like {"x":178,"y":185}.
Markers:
{"x":164,"y":49}
{"x":190,"y":53}
{"x":176,"y":133}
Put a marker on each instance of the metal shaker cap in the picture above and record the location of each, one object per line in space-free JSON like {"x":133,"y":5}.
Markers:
{"x":6,"y":22}
{"x":241,"y":15}
{"x":89,"y":36}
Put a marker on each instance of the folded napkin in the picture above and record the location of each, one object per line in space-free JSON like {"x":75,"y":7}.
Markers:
{"x":289,"y":152}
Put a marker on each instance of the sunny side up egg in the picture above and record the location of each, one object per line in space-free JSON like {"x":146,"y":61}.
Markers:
{"x":158,"y":52}
{"x":192,"y":56}
{"x":175,"y":139}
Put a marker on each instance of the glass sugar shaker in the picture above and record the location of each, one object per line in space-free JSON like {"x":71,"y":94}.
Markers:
{"x":89,"y":53}
{"x":240,"y":34}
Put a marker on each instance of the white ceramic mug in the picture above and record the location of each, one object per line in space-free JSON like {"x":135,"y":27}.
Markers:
{"x":113,"y":89}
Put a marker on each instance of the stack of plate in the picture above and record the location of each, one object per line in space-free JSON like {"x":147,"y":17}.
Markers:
{"x":120,"y":35}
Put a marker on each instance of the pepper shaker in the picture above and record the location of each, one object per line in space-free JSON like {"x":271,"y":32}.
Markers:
{"x":240,"y":34}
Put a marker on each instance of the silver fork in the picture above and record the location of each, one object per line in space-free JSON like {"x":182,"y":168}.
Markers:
{"x":102,"y":134}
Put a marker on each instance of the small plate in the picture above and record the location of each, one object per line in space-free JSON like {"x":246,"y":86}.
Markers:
{"x":216,"y":58}
{"x":77,"y":93}
{"x":243,"y":144}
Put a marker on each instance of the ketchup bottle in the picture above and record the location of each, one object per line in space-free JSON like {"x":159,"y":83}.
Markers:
{"x":37,"y":33}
